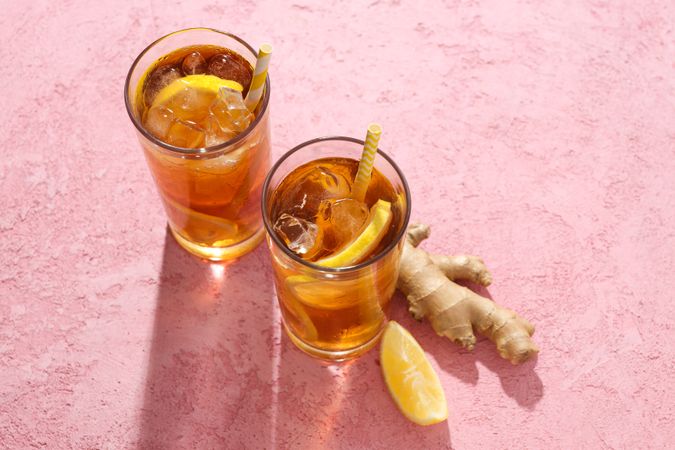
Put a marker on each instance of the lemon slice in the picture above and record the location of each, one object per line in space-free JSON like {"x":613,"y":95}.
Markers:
{"x":200,"y":82}
{"x":205,"y":227}
{"x":412,"y":382}
{"x":364,"y":243}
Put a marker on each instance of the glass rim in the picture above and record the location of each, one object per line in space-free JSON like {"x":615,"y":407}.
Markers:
{"x":202,"y":150}
{"x":270,"y":231}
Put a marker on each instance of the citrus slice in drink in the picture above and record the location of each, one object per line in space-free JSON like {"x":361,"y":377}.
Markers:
{"x":185,"y":113}
{"x":203,"y":227}
{"x":305,"y":327}
{"x":412,"y":382}
{"x":326,"y":294}
{"x":188,"y":99}
{"x":200,"y":84}
{"x":362,"y":246}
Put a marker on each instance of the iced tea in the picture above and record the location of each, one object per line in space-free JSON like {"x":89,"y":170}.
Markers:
{"x":207,"y":152}
{"x":332,"y":313}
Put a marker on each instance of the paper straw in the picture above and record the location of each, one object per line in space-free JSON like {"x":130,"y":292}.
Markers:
{"x":259,"y":77}
{"x":362,"y":179}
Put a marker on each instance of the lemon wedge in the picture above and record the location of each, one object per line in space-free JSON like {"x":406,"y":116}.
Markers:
{"x":208,"y":84}
{"x":364,"y":243}
{"x":412,"y":382}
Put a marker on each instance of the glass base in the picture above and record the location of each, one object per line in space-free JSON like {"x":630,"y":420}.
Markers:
{"x":219,"y":253}
{"x":330,"y":355}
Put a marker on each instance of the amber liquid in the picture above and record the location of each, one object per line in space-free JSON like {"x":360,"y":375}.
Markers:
{"x":212,"y":200}
{"x":335,"y":314}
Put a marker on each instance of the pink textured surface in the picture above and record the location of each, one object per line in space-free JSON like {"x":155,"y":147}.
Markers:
{"x":541,"y":137}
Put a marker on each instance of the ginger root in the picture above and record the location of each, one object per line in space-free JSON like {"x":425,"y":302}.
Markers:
{"x":453,"y":310}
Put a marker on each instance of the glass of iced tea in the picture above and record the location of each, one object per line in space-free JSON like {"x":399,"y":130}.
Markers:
{"x":335,"y":312}
{"x":207,"y":153}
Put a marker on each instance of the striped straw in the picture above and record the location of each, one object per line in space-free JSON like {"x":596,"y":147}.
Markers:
{"x":259,"y":76}
{"x":362,"y":179}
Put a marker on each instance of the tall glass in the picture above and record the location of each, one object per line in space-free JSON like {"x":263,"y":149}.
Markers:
{"x":334,"y":313}
{"x":211,"y":195}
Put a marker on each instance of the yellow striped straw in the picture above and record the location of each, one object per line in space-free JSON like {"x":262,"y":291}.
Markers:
{"x":362,"y":179}
{"x":259,"y":77}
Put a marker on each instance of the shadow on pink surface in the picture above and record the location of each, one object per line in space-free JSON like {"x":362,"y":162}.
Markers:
{"x":343,"y":406}
{"x":222,"y":374}
{"x":209,"y":367}
{"x":518,"y":382}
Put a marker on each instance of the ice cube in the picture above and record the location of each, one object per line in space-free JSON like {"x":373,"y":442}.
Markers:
{"x":158,"y":121}
{"x":186,"y":134}
{"x":230,"y":67}
{"x":341,"y":221}
{"x":301,"y":236}
{"x":194,"y":63}
{"x":158,"y":80}
{"x":230,"y":112}
{"x":309,"y":189}
{"x":189,"y":103}
{"x":214,"y":135}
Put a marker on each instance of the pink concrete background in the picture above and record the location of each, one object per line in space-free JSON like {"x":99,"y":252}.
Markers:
{"x":540,"y":136}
